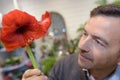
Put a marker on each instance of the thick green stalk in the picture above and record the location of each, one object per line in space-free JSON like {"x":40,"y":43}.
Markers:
{"x":31,"y":56}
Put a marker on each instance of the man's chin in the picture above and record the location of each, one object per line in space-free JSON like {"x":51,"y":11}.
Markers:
{"x":83,"y":65}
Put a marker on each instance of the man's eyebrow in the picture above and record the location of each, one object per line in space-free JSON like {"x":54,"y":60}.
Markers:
{"x":97,"y":37}
{"x":100,"y":38}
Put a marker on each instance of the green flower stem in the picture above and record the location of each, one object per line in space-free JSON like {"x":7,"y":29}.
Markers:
{"x":31,"y":56}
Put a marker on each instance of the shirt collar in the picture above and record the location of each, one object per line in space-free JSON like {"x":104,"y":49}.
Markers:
{"x":114,"y":76}
{"x":90,"y":77}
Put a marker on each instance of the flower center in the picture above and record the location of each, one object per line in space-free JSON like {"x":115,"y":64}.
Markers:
{"x":21,"y":29}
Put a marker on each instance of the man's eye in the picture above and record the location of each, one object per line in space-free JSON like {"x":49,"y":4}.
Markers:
{"x":84,"y":34}
{"x":99,"y":42}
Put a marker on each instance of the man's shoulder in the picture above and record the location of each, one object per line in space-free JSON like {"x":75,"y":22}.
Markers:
{"x":70,"y":58}
{"x":67,"y":68}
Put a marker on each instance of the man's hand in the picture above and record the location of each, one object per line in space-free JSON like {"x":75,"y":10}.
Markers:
{"x":33,"y":74}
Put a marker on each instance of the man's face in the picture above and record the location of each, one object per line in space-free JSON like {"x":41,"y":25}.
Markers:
{"x":100,"y":44}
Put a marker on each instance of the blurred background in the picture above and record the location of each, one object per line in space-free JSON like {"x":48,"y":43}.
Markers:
{"x":68,"y":20}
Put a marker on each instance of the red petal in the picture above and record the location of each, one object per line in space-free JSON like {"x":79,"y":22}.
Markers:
{"x":10,"y":41}
{"x":46,"y":21}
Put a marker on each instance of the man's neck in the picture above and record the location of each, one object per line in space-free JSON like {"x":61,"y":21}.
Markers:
{"x":100,"y":74}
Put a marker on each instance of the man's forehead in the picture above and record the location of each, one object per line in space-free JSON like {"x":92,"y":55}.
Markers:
{"x":104,"y":26}
{"x":109,"y":23}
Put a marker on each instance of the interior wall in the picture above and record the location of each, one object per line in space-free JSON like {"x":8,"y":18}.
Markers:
{"x":75,"y":12}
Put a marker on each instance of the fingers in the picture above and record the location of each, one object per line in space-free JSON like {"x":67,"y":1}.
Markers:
{"x":31,"y":72}
{"x":36,"y":78}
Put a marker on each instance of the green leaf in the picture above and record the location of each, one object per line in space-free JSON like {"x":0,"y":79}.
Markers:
{"x":101,"y":2}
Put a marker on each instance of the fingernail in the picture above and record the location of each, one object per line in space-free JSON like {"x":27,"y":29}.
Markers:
{"x":37,"y":71}
{"x":45,"y":77}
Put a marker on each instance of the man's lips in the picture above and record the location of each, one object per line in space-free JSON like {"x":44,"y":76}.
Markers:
{"x":86,"y":56}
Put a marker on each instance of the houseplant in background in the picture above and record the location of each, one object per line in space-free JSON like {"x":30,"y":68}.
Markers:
{"x":1,"y":45}
{"x":103,"y":2}
{"x":49,"y":63}
{"x":20,"y":29}
{"x":73,"y":44}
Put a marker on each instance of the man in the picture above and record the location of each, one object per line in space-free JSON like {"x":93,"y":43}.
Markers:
{"x":99,"y":49}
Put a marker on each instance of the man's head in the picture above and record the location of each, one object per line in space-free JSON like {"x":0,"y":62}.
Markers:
{"x":106,"y":10}
{"x":100,"y":44}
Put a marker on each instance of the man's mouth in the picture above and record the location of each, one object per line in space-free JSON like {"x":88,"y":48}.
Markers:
{"x":85,"y":56}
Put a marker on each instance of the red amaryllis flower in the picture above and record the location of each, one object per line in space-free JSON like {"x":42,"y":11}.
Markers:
{"x":20,"y":28}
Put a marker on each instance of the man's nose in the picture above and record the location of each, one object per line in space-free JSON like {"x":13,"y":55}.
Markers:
{"x":85,"y":44}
